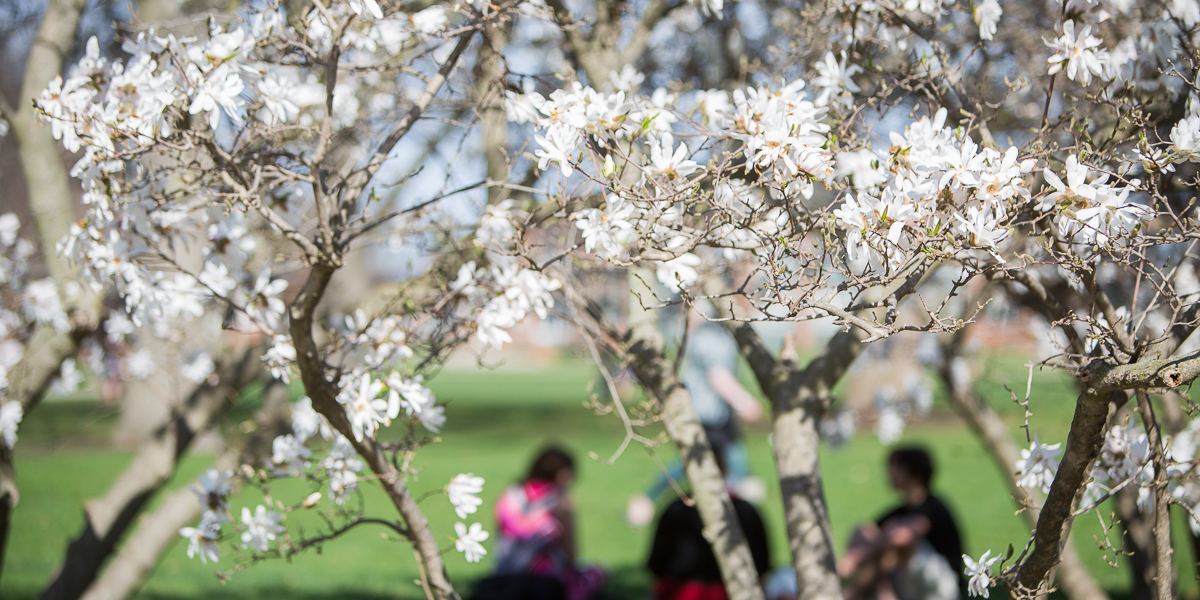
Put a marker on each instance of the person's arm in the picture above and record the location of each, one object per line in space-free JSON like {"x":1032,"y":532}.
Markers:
{"x":566,"y":518}
{"x":731,"y":391}
{"x":904,"y":531}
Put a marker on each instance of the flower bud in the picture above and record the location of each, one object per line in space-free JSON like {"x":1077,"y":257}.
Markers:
{"x":609,"y":169}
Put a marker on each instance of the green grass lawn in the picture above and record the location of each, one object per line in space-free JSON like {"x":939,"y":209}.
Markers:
{"x":496,"y":421}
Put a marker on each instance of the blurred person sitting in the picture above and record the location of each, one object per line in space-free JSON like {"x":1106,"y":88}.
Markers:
{"x":682,"y":560}
{"x":914,"y":551}
{"x":537,"y":543}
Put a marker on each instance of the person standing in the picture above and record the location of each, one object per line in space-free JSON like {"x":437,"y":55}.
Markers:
{"x":709,"y":367}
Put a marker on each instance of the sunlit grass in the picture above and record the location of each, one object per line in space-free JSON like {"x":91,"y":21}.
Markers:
{"x":497,"y":420}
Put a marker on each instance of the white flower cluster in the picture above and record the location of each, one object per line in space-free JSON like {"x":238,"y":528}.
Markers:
{"x":779,"y":134}
{"x":463,"y":491}
{"x":38,"y":305}
{"x":1093,"y":212}
{"x":895,"y":407}
{"x":979,"y":573}
{"x":503,"y":294}
{"x":212,"y":489}
{"x":259,"y":528}
{"x":1079,"y":53}
{"x":944,"y":189}
{"x":1125,"y":457}
{"x":1038,"y":465}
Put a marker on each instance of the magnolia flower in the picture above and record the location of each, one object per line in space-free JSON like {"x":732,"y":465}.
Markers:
{"x":495,"y":225}
{"x":430,"y":21}
{"x":11,"y":413}
{"x":558,"y":145}
{"x":1071,"y":192}
{"x":1038,"y":465}
{"x":212,"y":488}
{"x":140,"y":364}
{"x":469,"y":542}
{"x":987,"y":16}
{"x":9,"y":226}
{"x":263,"y":301}
{"x":834,"y":78}
{"x":290,"y":451}
{"x":342,"y":466}
{"x":979,"y":572}
{"x":369,"y":7}
{"x":529,"y":291}
{"x":668,"y":162}
{"x":197,"y":368}
{"x":433,"y":418}
{"x":679,"y":272}
{"x":219,"y":89}
{"x":890,"y":425}
{"x":261,"y":528}
{"x":607,"y":231}
{"x":68,"y":379}
{"x":1185,"y":139}
{"x":202,"y":541}
{"x":1078,"y":52}
{"x":280,"y":356}
{"x":42,"y":305}
{"x":366,"y":410}
{"x":278,"y":107}
{"x":463,"y":491}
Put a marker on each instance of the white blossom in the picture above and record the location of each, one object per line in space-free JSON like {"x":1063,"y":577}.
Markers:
{"x":979,"y":572}
{"x":212,"y":488}
{"x":262,"y":527}
{"x":290,"y":452}
{"x":141,"y":364}
{"x":470,"y":542}
{"x":366,"y":410}
{"x":1038,"y":465}
{"x":679,"y":272}
{"x":464,"y":490}
{"x":202,"y":542}
{"x":987,"y":16}
{"x":198,"y":367}
{"x":1081,"y":54}
{"x":11,"y":413}
{"x":342,"y":466}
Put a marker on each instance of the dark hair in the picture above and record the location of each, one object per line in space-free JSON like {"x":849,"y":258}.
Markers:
{"x":915,"y":461}
{"x":548,"y":463}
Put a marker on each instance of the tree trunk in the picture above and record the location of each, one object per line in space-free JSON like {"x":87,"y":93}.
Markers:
{"x":799,"y":399}
{"x":656,"y":375}
{"x":1073,"y":577}
{"x":108,"y":517}
{"x":324,"y":398}
{"x":158,"y":530}
{"x":1084,"y":441}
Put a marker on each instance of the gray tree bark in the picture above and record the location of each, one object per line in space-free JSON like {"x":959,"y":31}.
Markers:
{"x":50,"y":199}
{"x":107,"y":518}
{"x":156,"y":531}
{"x":645,"y":352}
{"x":1073,"y":577}
{"x":799,"y":398}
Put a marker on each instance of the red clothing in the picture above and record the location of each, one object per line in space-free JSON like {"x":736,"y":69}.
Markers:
{"x":667,"y":589}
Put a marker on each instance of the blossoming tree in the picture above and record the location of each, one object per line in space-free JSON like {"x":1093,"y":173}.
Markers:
{"x":899,"y":156}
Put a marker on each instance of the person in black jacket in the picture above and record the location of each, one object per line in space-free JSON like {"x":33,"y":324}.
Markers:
{"x":682,"y":561}
{"x":913,"y":551}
